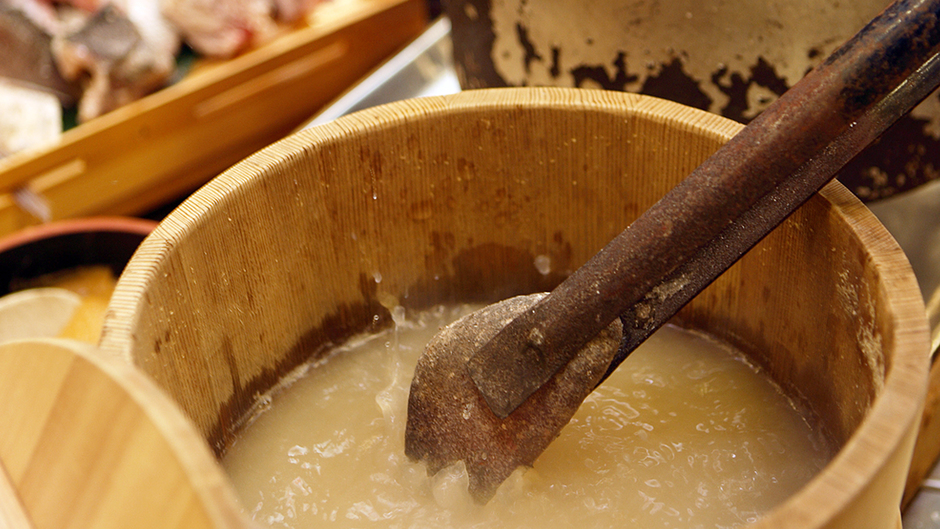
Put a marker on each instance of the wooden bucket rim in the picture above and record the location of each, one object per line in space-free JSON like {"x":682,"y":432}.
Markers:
{"x":893,"y":414}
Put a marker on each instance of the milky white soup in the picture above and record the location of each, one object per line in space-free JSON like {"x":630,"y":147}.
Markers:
{"x":686,"y":433}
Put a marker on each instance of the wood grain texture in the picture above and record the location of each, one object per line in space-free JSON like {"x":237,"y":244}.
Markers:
{"x":927,"y":447}
{"x":166,"y":144}
{"x":451,"y":199}
{"x":12,"y":513}
{"x":93,"y":443}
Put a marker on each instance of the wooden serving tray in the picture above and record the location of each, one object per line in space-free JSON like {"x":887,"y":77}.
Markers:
{"x":170,"y":142}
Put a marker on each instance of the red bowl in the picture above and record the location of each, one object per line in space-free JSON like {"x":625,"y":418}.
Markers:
{"x":60,"y":245}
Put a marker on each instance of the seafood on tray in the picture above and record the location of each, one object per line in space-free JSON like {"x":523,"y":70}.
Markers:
{"x":97,"y":55}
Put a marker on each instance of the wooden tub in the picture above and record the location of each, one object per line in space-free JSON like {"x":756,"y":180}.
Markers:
{"x":447,"y":199}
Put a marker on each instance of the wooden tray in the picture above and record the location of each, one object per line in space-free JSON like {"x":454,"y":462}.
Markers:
{"x":167,"y":144}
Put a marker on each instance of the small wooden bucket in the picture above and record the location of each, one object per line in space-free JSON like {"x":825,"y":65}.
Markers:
{"x":449,"y":199}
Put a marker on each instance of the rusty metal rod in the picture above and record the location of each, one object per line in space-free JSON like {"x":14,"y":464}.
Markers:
{"x":714,"y":257}
{"x":737,"y":196}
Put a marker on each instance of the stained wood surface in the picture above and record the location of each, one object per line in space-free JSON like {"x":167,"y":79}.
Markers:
{"x":166,"y":144}
{"x":93,"y":443}
{"x":451,"y":199}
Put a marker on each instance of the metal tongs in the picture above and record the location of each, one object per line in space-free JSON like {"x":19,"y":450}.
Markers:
{"x":535,"y":370}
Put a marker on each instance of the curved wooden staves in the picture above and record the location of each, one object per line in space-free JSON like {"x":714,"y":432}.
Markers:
{"x":90,"y":442}
{"x":451,"y":199}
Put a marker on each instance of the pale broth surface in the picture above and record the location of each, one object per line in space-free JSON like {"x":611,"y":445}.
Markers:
{"x":684,"y":434}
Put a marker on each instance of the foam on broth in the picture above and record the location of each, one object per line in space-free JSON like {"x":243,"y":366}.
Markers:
{"x":686,"y":433}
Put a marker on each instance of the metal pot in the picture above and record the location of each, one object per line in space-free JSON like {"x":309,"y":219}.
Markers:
{"x":732,"y":58}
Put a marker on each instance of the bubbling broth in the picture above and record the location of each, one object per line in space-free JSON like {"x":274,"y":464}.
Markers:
{"x":686,"y":433}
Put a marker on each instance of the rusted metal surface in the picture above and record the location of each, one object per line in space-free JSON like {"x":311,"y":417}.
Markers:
{"x":688,"y":238}
{"x":729,"y":58}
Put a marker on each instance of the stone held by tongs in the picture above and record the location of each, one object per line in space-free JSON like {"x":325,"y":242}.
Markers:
{"x":521,"y":436}
{"x":487,"y":389}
